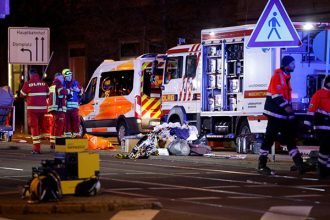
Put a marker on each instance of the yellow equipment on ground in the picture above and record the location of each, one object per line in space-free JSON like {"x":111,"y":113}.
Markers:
{"x":80,"y":165}
{"x":73,"y":171}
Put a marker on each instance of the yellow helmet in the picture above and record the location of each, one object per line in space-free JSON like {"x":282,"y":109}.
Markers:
{"x":66,"y":72}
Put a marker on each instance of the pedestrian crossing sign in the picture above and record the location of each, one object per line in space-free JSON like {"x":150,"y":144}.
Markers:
{"x":274,"y":28}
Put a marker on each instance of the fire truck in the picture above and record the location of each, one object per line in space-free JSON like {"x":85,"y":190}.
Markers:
{"x":220,"y":85}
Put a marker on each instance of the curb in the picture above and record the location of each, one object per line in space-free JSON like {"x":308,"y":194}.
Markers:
{"x":71,"y":204}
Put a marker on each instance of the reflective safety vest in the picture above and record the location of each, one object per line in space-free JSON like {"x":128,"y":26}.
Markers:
{"x":36,"y":92}
{"x":319,"y":110}
{"x":57,"y":97}
{"x":278,"y":95}
{"x":73,"y":97}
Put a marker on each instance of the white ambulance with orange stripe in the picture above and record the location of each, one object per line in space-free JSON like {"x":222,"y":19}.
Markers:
{"x":220,"y":85}
{"x":123,"y":97}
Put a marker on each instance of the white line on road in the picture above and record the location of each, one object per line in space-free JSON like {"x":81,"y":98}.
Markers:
{"x":126,"y":189}
{"x":262,"y":184}
{"x":201,"y":198}
{"x":188,"y":187}
{"x":188,"y":168}
{"x":11,"y":168}
{"x":303,"y":196}
{"x":126,"y":193}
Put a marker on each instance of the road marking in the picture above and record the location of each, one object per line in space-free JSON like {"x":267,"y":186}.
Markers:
{"x":257,"y":184}
{"x":209,"y":170}
{"x":162,"y":188}
{"x":245,"y":197}
{"x":291,"y":187}
{"x":145,"y":214}
{"x":188,"y":187}
{"x":303,"y":196}
{"x":200,"y":198}
{"x":11,"y":168}
{"x":188,"y":168}
{"x":126,"y":193}
{"x":287,"y":212}
{"x":220,"y":187}
{"x":126,"y":189}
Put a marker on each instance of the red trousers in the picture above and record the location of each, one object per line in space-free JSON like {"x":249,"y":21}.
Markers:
{"x":57,"y":126}
{"x":35,"y":119}
{"x":72,"y":122}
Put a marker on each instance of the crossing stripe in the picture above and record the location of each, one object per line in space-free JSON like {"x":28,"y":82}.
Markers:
{"x":287,"y":212}
{"x":144,"y":214}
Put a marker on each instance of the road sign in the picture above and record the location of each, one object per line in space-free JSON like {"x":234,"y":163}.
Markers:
{"x":27,"y":45}
{"x":274,"y":28}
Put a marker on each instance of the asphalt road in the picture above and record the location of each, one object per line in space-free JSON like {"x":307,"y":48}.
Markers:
{"x":188,"y":187}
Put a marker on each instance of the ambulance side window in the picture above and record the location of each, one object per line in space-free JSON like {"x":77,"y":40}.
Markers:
{"x":191,"y":65}
{"x":90,"y":91}
{"x":116,"y":83}
{"x":173,"y":68}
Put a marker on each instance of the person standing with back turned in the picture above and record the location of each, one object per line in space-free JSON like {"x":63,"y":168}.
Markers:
{"x":278,"y":109}
{"x":35,"y":91}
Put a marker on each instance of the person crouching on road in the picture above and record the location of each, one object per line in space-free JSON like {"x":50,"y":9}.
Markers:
{"x":278,"y":110}
{"x":57,"y":107}
{"x":319,"y":115}
{"x":35,"y":91}
{"x":73,"y":99}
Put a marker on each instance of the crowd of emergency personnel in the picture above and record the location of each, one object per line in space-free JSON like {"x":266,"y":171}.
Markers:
{"x":61,"y":100}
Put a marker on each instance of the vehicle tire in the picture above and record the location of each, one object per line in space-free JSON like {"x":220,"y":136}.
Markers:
{"x":243,"y":131}
{"x":122,"y":131}
{"x":82,"y":129}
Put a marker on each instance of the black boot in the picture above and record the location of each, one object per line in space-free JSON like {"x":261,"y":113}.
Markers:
{"x":322,"y":171}
{"x":262,"y":166}
{"x":300,"y":164}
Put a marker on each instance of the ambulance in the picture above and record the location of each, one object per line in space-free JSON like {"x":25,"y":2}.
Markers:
{"x":123,"y":97}
{"x":220,"y":85}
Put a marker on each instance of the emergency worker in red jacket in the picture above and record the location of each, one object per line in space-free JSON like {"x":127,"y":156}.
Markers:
{"x":319,"y":116}
{"x":35,"y":91}
{"x":73,"y":100}
{"x":57,"y":107}
{"x":278,"y":109}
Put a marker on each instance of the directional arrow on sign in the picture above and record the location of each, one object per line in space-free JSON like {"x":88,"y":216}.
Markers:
{"x":27,"y":51}
{"x":37,"y":48}
{"x":42,"y":48}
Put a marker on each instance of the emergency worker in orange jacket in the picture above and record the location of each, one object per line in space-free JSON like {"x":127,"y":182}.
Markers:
{"x":73,"y":101}
{"x":319,"y":116}
{"x":57,"y":107}
{"x":35,"y":91}
{"x":278,"y":109}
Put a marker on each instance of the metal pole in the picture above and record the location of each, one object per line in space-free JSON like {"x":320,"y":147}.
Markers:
{"x":25,"y":111}
{"x":328,"y":50}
